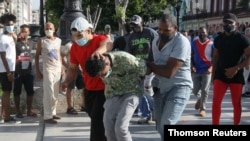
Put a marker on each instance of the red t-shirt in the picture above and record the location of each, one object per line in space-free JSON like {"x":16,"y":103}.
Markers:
{"x":79,"y":55}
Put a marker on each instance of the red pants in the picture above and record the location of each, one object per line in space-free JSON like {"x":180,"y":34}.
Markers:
{"x":219,"y":91}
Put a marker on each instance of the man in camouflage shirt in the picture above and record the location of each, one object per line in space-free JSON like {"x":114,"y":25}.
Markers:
{"x":121,"y":72}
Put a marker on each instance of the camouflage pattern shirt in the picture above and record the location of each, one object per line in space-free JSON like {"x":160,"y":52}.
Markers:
{"x":125,"y":77}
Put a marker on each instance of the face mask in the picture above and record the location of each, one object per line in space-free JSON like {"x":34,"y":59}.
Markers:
{"x":82,"y":41}
{"x":49,"y":33}
{"x":136,"y":29}
{"x":9,"y":29}
{"x":228,"y":28}
{"x":24,"y":35}
{"x":108,"y":74}
{"x":166,"y":38}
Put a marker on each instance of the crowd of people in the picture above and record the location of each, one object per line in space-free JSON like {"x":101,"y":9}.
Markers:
{"x":153,"y":71}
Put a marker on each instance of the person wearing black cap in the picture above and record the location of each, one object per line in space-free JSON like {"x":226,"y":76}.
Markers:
{"x":138,"y":44}
{"x":228,"y":64}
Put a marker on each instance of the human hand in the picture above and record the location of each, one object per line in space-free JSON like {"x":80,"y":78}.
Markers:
{"x":39,"y":75}
{"x":231,"y":72}
{"x":97,"y":55}
{"x":64,"y":86}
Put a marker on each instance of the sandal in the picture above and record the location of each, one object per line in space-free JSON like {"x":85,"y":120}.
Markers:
{"x":71,"y":111}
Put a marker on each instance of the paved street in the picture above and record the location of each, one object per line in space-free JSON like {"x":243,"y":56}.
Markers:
{"x":76,"y":128}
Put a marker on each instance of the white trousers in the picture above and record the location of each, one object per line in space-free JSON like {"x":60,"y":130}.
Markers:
{"x":51,"y":82}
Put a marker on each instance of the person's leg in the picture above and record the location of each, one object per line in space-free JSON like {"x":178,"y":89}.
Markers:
{"x":48,"y":90}
{"x":205,"y":86}
{"x":56,"y":90}
{"x":236,"y":90}
{"x":17,"y":92}
{"x":196,"y":89}
{"x":94,"y":107}
{"x":128,"y":104}
{"x":79,"y":83}
{"x":173,"y":105}
{"x":70,"y":108}
{"x":111,"y":108}
{"x":28,"y":82}
{"x":220,"y":89}
{"x":6,"y":87}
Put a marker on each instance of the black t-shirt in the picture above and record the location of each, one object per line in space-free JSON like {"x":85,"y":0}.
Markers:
{"x":23,"y":54}
{"x":231,"y":51}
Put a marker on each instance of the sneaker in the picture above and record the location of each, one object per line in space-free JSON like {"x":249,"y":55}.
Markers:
{"x":19,"y":115}
{"x":146,"y":120}
{"x":50,"y":121}
{"x":246,"y":94}
{"x":11,"y":120}
{"x":197,"y":104}
{"x":56,"y":117}
{"x":202,"y":113}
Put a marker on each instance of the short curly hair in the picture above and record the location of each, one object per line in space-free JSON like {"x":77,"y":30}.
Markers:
{"x":94,"y":66}
{"x":7,"y":17}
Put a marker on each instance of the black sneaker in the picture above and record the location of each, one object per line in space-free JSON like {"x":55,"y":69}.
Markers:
{"x":246,"y":94}
{"x":11,"y":120}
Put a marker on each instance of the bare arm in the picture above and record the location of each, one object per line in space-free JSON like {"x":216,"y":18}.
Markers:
{"x":168,"y":70}
{"x":38,"y":53}
{"x":214,"y":60}
{"x":105,"y":46}
{"x":70,"y":75}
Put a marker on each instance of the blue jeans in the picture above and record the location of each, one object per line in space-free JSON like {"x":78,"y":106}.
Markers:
{"x":146,"y":105}
{"x":169,"y":106}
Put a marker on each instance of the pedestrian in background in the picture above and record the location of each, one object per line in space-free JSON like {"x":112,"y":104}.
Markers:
{"x":86,"y":44}
{"x":77,"y":82}
{"x":23,"y":71}
{"x":228,"y":63}
{"x":7,"y":63}
{"x":138,"y":44}
{"x":172,"y":58}
{"x":202,"y":53}
{"x":49,"y":49}
{"x":246,"y":72}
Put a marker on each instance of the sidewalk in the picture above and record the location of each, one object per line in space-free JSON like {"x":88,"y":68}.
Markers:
{"x":76,"y":128}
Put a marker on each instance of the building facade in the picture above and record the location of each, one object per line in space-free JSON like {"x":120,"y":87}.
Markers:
{"x":209,"y":13}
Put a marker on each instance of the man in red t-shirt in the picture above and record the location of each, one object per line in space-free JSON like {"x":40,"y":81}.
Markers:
{"x":86,"y":44}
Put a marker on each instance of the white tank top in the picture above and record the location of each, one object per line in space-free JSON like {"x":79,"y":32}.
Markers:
{"x":51,"y":54}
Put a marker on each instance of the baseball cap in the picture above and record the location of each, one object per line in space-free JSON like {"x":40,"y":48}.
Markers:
{"x":80,"y":24}
{"x":230,"y":17}
{"x":136,"y":19}
{"x":107,"y":26}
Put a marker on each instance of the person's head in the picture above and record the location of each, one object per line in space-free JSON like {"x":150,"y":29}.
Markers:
{"x":247,"y":32}
{"x":24,"y":31}
{"x":184,"y":32}
{"x":167,"y":27}
{"x":202,"y":33}
{"x":49,"y":29}
{"x":98,"y":67}
{"x":107,"y":29}
{"x":127,"y":28}
{"x":8,"y":20}
{"x":81,"y":31}
{"x":229,"y":22}
{"x":136,"y":24}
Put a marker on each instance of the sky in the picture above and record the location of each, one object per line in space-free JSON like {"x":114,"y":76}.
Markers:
{"x":35,"y":4}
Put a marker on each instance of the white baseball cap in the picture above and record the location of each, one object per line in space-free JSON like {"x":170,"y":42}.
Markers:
{"x":80,"y":24}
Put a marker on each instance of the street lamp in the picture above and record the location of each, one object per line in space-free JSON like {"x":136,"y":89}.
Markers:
{"x":177,"y":8}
